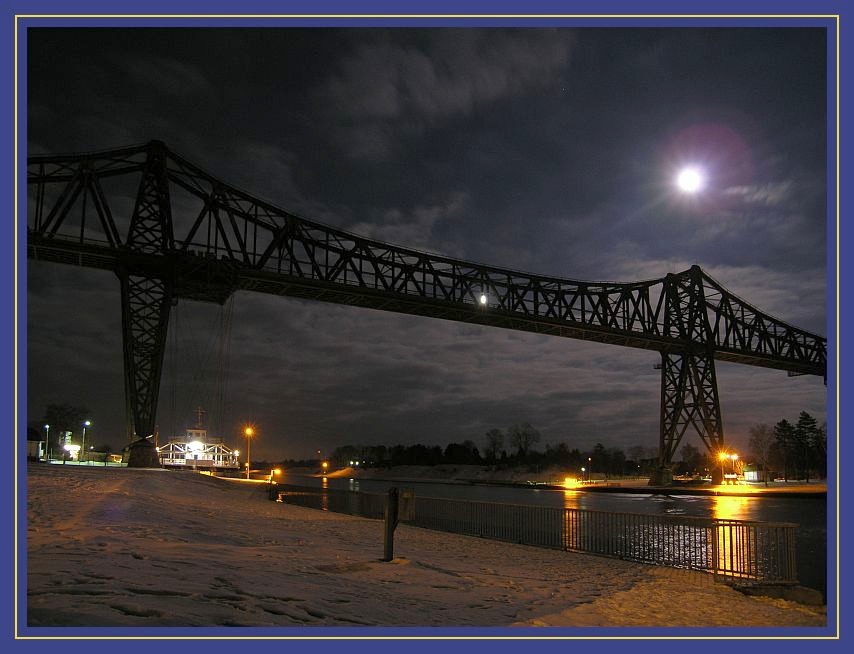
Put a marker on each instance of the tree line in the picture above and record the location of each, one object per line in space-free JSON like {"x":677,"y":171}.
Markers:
{"x":790,"y":450}
{"x":513,"y":447}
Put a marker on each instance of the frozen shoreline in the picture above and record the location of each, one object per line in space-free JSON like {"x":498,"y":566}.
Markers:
{"x":145,"y":548}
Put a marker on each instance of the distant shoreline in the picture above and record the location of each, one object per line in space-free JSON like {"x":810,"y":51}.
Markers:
{"x":547,"y":480}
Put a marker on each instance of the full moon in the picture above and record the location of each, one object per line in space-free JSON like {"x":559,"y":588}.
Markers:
{"x":690,"y":180}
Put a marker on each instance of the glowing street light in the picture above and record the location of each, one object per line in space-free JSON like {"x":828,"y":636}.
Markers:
{"x":47,"y":438}
{"x":249,"y":432}
{"x":73,"y":450}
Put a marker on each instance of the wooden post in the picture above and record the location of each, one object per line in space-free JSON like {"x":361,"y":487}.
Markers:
{"x":390,"y":523}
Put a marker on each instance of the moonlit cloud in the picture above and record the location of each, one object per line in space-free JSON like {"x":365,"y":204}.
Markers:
{"x":389,"y":86}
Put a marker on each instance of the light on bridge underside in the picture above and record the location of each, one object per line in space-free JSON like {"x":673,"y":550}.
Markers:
{"x":483,"y":299}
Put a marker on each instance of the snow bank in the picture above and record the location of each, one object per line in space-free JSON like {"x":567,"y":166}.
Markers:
{"x":145,"y":548}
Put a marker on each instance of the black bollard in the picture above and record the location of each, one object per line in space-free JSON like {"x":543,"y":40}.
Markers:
{"x":390,"y":523}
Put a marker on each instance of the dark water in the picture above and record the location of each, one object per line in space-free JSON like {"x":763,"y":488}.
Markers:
{"x":809,"y":513}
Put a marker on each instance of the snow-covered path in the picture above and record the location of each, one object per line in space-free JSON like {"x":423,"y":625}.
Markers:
{"x":144,"y":548}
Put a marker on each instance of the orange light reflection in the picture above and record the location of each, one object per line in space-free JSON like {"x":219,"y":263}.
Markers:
{"x":732,"y":507}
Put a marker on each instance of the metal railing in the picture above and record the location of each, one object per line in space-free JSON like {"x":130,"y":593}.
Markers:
{"x":736,"y":550}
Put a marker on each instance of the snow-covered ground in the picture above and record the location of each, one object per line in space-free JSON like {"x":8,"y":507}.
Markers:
{"x":146,"y":548}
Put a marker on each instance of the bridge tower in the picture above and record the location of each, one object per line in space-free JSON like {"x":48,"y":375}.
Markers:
{"x":146,"y":296}
{"x":689,"y":389}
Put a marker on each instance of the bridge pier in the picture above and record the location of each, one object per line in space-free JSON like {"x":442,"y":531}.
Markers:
{"x":661,"y":476}
{"x":143,"y":454}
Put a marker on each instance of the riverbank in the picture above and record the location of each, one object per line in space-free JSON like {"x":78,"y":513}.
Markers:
{"x":554,"y":478}
{"x":127,"y":547}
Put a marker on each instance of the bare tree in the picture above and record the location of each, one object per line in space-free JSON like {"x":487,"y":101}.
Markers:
{"x":523,"y":437}
{"x":761,"y":441}
{"x":494,"y":444}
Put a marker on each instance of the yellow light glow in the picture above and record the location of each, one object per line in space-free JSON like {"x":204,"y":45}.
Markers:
{"x":277,"y":471}
{"x":571,"y":482}
{"x":722,"y":456}
{"x":325,"y":465}
{"x":733,"y":507}
{"x":248,"y":432}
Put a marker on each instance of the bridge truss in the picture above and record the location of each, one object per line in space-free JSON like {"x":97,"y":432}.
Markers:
{"x":171,"y":231}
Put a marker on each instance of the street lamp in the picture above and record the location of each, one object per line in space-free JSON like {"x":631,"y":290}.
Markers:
{"x":249,"y":432}
{"x":47,"y":438}
{"x":86,"y":423}
{"x":733,"y":457}
{"x":722,"y":456}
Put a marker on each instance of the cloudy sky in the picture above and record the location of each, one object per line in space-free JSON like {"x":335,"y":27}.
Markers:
{"x":550,"y":151}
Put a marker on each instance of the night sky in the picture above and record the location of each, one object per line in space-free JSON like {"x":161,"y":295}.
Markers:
{"x":547,"y":151}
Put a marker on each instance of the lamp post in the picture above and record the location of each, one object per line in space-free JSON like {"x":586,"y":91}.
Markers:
{"x":47,"y":438}
{"x":733,"y":457}
{"x":722,"y":456}
{"x":86,"y":423}
{"x":248,"y":432}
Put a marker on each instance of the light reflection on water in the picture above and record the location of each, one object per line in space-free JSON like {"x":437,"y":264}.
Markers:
{"x":733,"y":507}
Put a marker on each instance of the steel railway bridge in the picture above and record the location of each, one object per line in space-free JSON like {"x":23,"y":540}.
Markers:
{"x":171,"y":231}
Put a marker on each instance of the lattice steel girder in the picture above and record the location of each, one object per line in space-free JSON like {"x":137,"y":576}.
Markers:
{"x":146,"y":302}
{"x":256,"y":238}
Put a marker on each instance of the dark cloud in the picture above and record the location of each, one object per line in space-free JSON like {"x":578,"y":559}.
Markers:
{"x":549,"y":151}
{"x":395,"y":86}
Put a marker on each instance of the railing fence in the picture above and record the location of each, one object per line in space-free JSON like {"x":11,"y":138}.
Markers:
{"x":735,"y":550}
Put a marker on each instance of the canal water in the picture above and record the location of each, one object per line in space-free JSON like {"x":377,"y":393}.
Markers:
{"x":809,"y":513}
